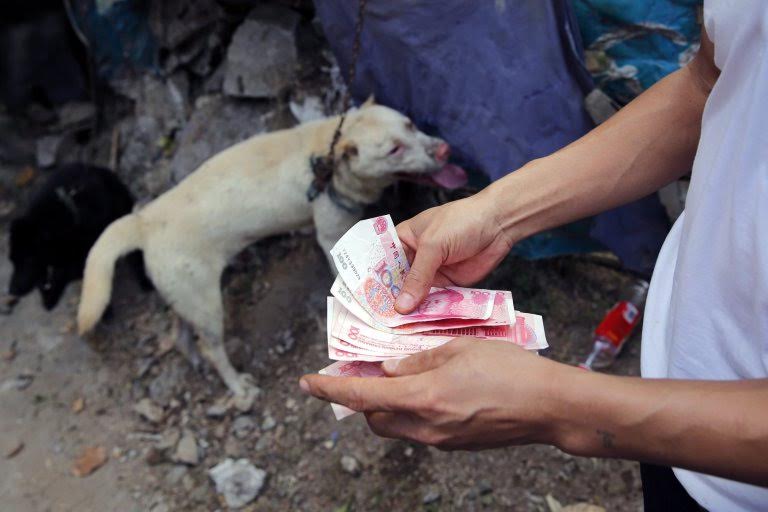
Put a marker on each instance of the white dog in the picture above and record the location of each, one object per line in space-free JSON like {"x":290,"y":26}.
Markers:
{"x":252,"y":190}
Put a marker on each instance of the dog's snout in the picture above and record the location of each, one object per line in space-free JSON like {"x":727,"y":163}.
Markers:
{"x":442,"y":152}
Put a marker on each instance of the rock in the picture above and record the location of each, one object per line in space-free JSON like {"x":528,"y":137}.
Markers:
{"x":187,"y":451}
{"x":92,"y":458}
{"x":169,"y":382}
{"x":309,"y":109}
{"x":285,"y":342}
{"x":243,"y":426}
{"x":350,"y":465}
{"x":268,"y":423}
{"x":216,"y":124}
{"x":168,"y":439}
{"x":148,"y":410}
{"x":238,"y":481}
{"x":13,"y":449}
{"x":179,"y":24}
{"x":218,"y":409}
{"x":18,"y":383}
{"x":155,"y":456}
{"x":140,"y":149}
{"x":47,"y":149}
{"x":76,"y":114}
{"x":262,"y":58}
{"x":432,"y":496}
{"x":175,"y":475}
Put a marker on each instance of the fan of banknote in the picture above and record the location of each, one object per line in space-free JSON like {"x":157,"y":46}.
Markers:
{"x":364,"y":329}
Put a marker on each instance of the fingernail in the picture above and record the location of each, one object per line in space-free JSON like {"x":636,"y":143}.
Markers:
{"x":390,"y":365}
{"x":304,"y":385}
{"x":405,"y":301}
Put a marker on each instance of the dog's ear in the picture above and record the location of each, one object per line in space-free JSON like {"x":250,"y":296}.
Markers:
{"x":371,"y":101}
{"x":349,"y":150}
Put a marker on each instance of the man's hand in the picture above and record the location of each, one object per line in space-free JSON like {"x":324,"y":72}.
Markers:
{"x":467,"y":394}
{"x":455,"y":244}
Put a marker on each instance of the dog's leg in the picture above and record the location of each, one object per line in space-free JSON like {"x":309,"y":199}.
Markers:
{"x":242,"y":385}
{"x":184,"y":337}
{"x":191,"y":285}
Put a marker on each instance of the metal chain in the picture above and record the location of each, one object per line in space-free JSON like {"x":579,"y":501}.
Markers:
{"x":352,"y":72}
{"x":322,"y":167}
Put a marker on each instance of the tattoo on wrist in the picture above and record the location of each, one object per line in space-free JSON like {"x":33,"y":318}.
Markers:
{"x":608,"y":439}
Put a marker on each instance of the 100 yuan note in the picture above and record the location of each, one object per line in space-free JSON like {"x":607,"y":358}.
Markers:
{"x":343,"y":325}
{"x":502,"y":313}
{"x":371,"y":262}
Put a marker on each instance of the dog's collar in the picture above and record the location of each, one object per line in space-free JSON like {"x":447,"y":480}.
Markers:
{"x":66,"y":198}
{"x":322,"y":181}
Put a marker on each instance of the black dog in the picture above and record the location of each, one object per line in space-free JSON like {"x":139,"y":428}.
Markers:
{"x":50,"y":242}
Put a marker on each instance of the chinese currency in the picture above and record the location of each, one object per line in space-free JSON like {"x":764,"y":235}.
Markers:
{"x":363,"y":328}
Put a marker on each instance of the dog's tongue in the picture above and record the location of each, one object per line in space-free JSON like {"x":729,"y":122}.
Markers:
{"x":450,"y":176}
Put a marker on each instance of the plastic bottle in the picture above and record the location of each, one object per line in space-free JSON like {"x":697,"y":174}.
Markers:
{"x":617,"y":326}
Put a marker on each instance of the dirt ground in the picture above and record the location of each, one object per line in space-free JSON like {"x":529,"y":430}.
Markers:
{"x":295,"y":439}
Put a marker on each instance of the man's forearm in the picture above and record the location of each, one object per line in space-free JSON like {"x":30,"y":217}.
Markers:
{"x":649,"y":143}
{"x":720,"y":428}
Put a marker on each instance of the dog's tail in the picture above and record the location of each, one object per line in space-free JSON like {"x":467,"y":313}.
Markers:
{"x":121,"y":237}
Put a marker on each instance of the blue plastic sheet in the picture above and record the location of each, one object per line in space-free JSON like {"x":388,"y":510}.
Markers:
{"x":494,"y":79}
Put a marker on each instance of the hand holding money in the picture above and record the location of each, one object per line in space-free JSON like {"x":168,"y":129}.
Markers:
{"x":364,"y":329}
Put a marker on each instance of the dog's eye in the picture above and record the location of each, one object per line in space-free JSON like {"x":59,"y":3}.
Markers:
{"x":410,"y":126}
{"x":397,"y":149}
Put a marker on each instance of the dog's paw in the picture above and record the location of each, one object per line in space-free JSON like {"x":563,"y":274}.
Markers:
{"x":247,"y":393}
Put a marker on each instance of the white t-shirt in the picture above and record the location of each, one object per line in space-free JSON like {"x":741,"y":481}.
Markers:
{"x":707,"y":311}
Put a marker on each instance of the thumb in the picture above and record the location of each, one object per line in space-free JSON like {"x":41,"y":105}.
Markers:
{"x":419,"y":280}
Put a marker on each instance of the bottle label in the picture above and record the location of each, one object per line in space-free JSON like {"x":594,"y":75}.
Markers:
{"x":618,"y":323}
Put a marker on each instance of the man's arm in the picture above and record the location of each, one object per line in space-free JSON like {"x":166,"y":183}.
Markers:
{"x":471,"y":394}
{"x":647,"y":144}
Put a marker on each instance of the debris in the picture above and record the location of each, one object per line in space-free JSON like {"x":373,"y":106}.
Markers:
{"x":7,"y":302}
{"x":310,"y":109}
{"x":75,"y":115}
{"x":168,"y":382}
{"x":350,"y":465}
{"x":175,"y":474}
{"x":270,"y":70}
{"x":553,"y":504}
{"x":238,"y":481}
{"x":268,"y":423}
{"x":218,"y":409}
{"x":10,"y":354}
{"x":187,"y":450}
{"x":78,"y":405}
{"x":47,"y":149}
{"x":165,"y":345}
{"x":68,"y":328}
{"x":14,"y":449}
{"x":155,"y":456}
{"x":25,"y":177}
{"x":243,"y":426}
{"x":18,"y":383}
{"x":92,"y":458}
{"x":285,"y":342}
{"x":148,"y":410}
{"x":432,"y":496}
{"x":582,"y":507}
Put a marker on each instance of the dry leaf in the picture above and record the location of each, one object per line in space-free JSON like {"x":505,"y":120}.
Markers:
{"x":26,"y":176}
{"x":78,"y":405}
{"x":93,"y":458}
{"x":14,"y":449}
